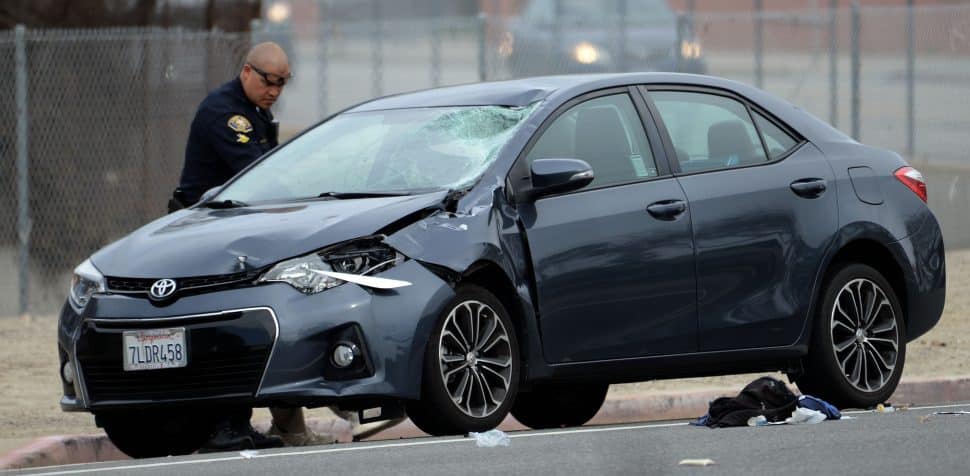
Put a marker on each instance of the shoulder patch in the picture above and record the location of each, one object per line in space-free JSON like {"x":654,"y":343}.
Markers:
{"x":240,"y":124}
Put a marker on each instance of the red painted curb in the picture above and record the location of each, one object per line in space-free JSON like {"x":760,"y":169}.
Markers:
{"x":60,"y":450}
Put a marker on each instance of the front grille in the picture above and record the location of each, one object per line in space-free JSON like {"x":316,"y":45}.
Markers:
{"x":226,"y":358}
{"x":184,"y":286}
{"x":215,"y":377}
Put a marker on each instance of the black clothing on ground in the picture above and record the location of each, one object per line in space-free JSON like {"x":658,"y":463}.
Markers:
{"x":765,"y":396}
{"x":227,"y":134}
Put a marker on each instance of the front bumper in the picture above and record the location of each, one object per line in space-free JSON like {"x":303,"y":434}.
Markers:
{"x":258,"y":346}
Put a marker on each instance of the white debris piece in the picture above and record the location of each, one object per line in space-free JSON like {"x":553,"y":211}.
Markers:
{"x":805,"y":416}
{"x":490,"y":439}
{"x":696,"y":462}
{"x":248,"y":453}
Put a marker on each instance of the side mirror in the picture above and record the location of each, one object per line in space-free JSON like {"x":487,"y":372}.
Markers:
{"x":209,"y":194}
{"x":559,"y":175}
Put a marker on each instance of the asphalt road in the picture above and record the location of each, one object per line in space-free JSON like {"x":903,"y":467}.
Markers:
{"x":915,"y":441}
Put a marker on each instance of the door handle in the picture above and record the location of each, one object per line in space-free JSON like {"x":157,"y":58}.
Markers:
{"x":809,"y":187}
{"x":667,"y":209}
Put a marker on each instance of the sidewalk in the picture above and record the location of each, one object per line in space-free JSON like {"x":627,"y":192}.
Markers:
{"x":72,"y":449}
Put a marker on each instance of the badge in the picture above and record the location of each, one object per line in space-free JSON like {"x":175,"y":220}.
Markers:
{"x":242,"y":138}
{"x":240,"y":124}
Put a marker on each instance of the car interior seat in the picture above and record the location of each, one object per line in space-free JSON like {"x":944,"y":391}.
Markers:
{"x":729,"y":144}
{"x":602,"y":142}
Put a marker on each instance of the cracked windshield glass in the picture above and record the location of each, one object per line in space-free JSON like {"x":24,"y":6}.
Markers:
{"x":393,"y":151}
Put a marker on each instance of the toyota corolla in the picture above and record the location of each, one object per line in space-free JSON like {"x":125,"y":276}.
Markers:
{"x":463,"y":253}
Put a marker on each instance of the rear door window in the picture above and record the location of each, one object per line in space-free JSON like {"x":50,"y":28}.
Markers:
{"x":709,"y":131}
{"x":778,"y":141}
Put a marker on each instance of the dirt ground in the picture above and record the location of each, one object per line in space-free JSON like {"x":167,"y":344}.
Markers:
{"x":30,"y":390}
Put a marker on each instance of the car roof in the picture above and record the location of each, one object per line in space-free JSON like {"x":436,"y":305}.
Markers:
{"x":561,"y":88}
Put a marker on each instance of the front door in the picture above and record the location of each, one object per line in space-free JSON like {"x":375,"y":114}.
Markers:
{"x":613,"y":261}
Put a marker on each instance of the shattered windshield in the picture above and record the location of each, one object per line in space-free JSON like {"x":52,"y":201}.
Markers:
{"x":392,"y":151}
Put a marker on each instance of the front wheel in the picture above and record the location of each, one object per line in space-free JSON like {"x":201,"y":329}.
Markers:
{"x":858,"y":342}
{"x":471,"y":367}
{"x":148,"y":434}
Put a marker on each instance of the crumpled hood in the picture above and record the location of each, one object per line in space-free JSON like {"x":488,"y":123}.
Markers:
{"x":202,"y":241}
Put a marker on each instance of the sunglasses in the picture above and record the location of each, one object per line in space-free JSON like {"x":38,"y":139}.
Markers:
{"x":270,"y":79}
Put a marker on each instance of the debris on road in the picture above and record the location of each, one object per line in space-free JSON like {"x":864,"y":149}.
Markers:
{"x":490,"y":439}
{"x":802,"y":416}
{"x":696,"y":462}
{"x":248,"y":454}
{"x":924,"y":418}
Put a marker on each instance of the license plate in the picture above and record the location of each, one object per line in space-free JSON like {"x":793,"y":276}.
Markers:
{"x":152,"y":349}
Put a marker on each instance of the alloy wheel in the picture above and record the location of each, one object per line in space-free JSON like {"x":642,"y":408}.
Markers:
{"x":475,"y":358}
{"x":865,"y":337}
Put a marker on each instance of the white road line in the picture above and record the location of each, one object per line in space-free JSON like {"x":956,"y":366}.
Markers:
{"x":412,"y":443}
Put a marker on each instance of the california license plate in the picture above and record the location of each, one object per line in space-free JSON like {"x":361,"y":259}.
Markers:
{"x":152,"y":349}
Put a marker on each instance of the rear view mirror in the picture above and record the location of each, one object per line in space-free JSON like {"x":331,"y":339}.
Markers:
{"x":559,"y":175}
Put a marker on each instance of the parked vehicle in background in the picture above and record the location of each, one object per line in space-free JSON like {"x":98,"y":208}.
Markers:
{"x":467,"y":252}
{"x":578,"y":36}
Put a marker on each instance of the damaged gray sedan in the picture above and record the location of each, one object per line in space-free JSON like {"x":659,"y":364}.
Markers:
{"x":463,"y":253}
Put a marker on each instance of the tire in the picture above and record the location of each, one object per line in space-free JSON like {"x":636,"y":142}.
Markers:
{"x":470,"y":376}
{"x":148,"y":434}
{"x":559,"y":405}
{"x":834,"y":370}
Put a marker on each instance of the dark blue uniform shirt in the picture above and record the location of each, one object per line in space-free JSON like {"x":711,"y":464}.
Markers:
{"x":228,"y":133}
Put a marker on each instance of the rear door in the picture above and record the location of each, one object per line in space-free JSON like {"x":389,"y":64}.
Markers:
{"x":613,"y":280}
{"x":763,"y":210}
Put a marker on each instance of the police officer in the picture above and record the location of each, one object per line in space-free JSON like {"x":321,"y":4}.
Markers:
{"x":233,"y":125}
{"x":232,"y":128}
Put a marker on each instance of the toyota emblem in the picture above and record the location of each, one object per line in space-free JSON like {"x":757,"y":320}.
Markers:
{"x":162,"y":288}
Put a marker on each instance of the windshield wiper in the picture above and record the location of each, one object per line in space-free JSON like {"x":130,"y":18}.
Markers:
{"x":361,"y":194}
{"x":224,"y":204}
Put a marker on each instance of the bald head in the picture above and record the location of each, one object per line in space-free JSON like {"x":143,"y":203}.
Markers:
{"x":267,"y":56}
{"x":265,"y":73}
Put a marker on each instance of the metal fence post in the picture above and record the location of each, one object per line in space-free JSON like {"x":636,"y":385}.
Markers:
{"x":324,"y":35}
{"x":854,"y":39}
{"x":436,"y":45}
{"x":621,"y":64}
{"x":377,"y":51}
{"x":254,"y":34}
{"x":910,"y":80}
{"x":482,"y":17}
{"x":681,"y":36}
{"x":833,"y":63}
{"x":759,"y":43}
{"x":23,"y":184}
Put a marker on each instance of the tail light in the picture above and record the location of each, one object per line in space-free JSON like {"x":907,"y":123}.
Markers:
{"x":911,"y":178}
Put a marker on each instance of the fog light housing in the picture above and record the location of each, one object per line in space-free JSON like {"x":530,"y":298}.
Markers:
{"x":344,"y":354}
{"x":67,"y":372}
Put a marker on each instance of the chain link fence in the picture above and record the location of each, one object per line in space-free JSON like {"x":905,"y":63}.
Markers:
{"x":109,"y":110}
{"x":107,"y":116}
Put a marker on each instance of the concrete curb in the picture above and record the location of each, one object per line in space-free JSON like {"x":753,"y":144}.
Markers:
{"x":72,"y":449}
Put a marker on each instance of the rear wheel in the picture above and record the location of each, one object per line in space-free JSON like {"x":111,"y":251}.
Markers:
{"x":858,"y":342}
{"x":471,"y":367}
{"x":559,"y":405}
{"x":148,"y":434}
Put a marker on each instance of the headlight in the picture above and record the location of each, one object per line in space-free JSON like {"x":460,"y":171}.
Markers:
{"x":690,"y":49}
{"x":353,"y":262}
{"x":588,"y":53}
{"x":86,"y":282}
{"x":279,"y":12}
